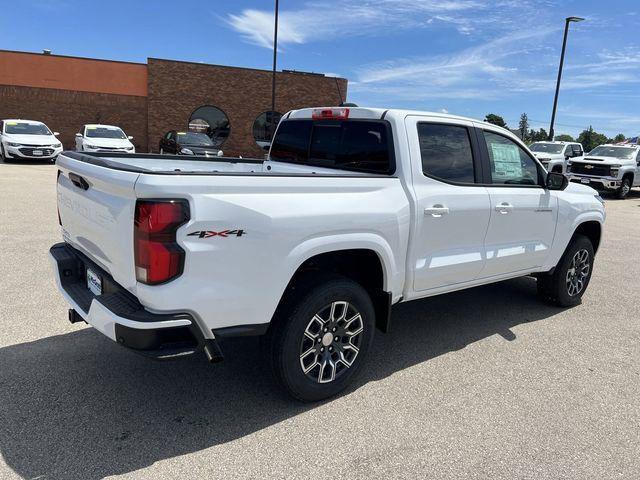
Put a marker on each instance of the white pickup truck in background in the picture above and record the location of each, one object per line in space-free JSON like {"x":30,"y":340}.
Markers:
{"x":354,"y":210}
{"x":614,"y":168}
{"x":554,"y":155}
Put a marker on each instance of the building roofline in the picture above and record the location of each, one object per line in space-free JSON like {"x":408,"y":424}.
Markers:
{"x":285,"y":72}
{"x":71,"y":56}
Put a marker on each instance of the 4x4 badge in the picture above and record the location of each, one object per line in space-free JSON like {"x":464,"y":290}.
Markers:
{"x":211,"y":233}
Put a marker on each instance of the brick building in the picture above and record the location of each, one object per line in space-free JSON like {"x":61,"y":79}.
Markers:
{"x":147,"y":100}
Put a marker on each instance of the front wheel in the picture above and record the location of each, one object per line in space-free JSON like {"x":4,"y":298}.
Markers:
{"x":624,"y":189}
{"x":566,"y":285}
{"x":320,"y":340}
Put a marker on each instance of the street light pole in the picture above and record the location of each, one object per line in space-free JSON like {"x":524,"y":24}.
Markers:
{"x":567,"y":21}
{"x":273,"y":73}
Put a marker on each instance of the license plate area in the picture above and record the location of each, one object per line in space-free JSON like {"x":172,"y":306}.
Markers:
{"x":37,"y":153}
{"x":584,"y":180}
{"x":94,"y":282}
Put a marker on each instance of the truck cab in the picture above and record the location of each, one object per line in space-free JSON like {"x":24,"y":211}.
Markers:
{"x":554,"y":155}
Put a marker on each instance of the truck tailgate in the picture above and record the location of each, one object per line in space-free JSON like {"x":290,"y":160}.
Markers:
{"x":97,"y":206}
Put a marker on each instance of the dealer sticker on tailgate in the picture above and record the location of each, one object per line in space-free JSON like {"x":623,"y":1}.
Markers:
{"x":94,"y":282}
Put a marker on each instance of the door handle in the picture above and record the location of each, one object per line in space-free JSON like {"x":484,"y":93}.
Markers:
{"x":504,"y":208}
{"x":436,"y":211}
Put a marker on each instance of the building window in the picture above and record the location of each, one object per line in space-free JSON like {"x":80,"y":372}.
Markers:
{"x":264,"y":126}
{"x":212,"y":121}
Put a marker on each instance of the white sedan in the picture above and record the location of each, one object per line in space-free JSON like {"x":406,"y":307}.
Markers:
{"x":27,"y":140}
{"x":103,"y":138}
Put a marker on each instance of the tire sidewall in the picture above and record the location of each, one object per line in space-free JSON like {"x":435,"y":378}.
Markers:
{"x":560,"y":287}
{"x":287,"y":353}
{"x":621,"y":192}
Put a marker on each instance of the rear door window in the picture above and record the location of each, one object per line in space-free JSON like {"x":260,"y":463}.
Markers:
{"x":446,"y":152}
{"x":361,"y":146}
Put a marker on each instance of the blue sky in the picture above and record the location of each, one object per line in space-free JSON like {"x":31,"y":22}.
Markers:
{"x":468,"y":57}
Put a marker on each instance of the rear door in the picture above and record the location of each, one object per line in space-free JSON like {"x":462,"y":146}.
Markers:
{"x":452,"y":208}
{"x":96,"y":206}
{"x":523,"y":213}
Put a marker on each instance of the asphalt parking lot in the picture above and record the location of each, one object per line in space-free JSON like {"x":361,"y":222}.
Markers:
{"x":486,"y":383}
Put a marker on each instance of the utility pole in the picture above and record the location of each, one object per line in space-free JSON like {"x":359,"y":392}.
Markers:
{"x":567,"y":21}
{"x":273,"y":74}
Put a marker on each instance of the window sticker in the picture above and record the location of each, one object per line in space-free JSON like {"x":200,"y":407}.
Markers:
{"x":12,"y":123}
{"x":506,"y":161}
{"x":92,"y":128}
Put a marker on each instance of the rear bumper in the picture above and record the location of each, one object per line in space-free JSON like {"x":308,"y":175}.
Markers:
{"x":120,"y":316}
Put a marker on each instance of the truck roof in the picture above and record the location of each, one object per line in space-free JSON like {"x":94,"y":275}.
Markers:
{"x":379,"y":113}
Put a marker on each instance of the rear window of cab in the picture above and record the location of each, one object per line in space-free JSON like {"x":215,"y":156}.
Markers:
{"x":354,"y":145}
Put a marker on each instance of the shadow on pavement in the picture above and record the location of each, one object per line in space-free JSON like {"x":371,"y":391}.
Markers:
{"x":77,"y":406}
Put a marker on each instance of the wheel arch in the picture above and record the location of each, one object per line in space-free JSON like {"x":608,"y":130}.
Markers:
{"x":592,"y":229}
{"x":369,"y":263}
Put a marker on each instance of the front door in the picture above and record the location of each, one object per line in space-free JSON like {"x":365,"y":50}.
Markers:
{"x":453,"y":211}
{"x":523,"y":213}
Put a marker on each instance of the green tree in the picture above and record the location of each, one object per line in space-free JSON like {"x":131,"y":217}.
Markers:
{"x":495,"y":119}
{"x":564,"y":138}
{"x":538,"y":135}
{"x":619,"y":138}
{"x":523,"y":126}
{"x":590,"y":139}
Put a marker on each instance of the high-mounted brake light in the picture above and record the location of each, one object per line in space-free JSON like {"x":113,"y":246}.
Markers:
{"x":330,"y":113}
{"x":158,"y":256}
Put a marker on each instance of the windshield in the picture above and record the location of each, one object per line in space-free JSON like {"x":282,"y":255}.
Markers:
{"x":546,"y":147}
{"x":192,"y":138}
{"x":24,"y":128}
{"x":617,"y":152}
{"x":105,"y":132}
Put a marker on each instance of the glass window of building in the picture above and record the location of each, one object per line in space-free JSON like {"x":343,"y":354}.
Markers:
{"x":264,"y":126}
{"x":212,"y":121}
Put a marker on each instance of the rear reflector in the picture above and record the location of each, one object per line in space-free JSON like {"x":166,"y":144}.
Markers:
{"x":158,"y":256}
{"x":330,"y":113}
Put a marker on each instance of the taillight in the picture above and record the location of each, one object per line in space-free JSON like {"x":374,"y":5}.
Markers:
{"x":330,"y":113}
{"x":158,"y":256}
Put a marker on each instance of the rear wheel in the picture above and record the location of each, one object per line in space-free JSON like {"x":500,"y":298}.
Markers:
{"x":566,"y":285}
{"x":624,"y":189}
{"x":319,"y":342}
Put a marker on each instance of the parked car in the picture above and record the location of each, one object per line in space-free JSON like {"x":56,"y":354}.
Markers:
{"x":27,"y":140}
{"x":613,"y":168}
{"x":188,"y":143}
{"x":355,"y":210}
{"x":103,"y":138}
{"x":554,"y":155}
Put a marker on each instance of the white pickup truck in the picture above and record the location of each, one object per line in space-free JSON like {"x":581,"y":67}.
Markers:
{"x":614,"y":168}
{"x":353,"y":211}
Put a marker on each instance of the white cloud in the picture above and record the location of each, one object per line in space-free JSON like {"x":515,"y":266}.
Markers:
{"x":322,"y":19}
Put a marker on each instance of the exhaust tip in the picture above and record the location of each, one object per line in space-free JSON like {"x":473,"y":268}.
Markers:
{"x":212,"y":351}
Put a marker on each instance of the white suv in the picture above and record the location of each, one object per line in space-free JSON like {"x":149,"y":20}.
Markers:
{"x":554,"y":155}
{"x":103,"y":138}
{"x":27,"y":140}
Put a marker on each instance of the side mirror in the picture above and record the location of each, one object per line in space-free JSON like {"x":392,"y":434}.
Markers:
{"x":79,"y":135}
{"x":56,"y":134}
{"x":130,"y":137}
{"x":266,"y":147}
{"x":567,"y":157}
{"x":556,"y":181}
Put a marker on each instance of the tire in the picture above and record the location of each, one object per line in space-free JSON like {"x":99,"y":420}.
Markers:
{"x":570,"y":279}
{"x":305,"y":357}
{"x":625,"y":188}
{"x":2,"y":157}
